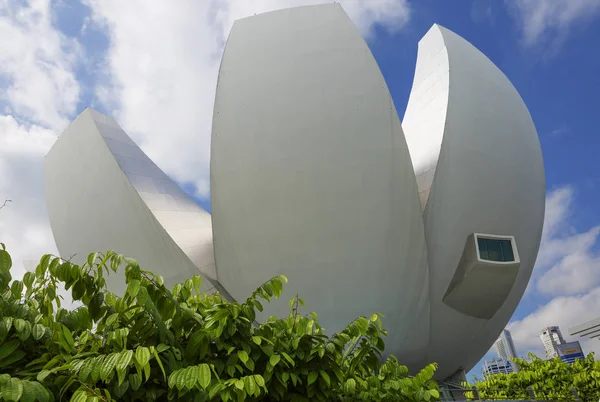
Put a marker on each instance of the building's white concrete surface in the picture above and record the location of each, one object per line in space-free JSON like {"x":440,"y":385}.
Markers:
{"x":311,"y":176}
{"x":425,"y":116}
{"x":488,"y":178}
{"x":103,"y":193}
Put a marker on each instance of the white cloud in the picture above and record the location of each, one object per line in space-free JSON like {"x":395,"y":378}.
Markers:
{"x":567,"y":262}
{"x":24,"y":226}
{"x":548,"y":22}
{"x":567,"y":274}
{"x":577,"y":272}
{"x":38,"y":95}
{"x":37,"y":62}
{"x":562,"y":311}
{"x":163,"y":68}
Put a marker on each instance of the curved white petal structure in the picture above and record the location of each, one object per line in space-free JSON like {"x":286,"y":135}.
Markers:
{"x":103,"y":193}
{"x":311,"y":176}
{"x":479,"y":166}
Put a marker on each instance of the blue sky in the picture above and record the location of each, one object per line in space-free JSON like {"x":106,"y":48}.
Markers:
{"x":156,"y":73}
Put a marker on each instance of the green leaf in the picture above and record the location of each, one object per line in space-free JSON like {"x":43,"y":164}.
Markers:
{"x":197,"y":280}
{"x":78,"y":289}
{"x":133,"y":288}
{"x":53,"y":265}
{"x":86,"y":369}
{"x":277,"y":287}
{"x":5,"y":261}
{"x":16,"y":289}
{"x":38,"y":331}
{"x":110,"y":299}
{"x":190,"y":377}
{"x":41,"y":393}
{"x":312,"y":377}
{"x":28,"y":279}
{"x":260,"y":381}
{"x":92,"y":258}
{"x":250,"y":385}
{"x":124,"y":359}
{"x":26,"y":331}
{"x":350,"y":386}
{"x":12,"y":358}
{"x":325,"y":377}
{"x":67,"y":336}
{"x":97,"y":367}
{"x":135,"y":381}
{"x":19,"y":324}
{"x":177,"y":290}
{"x":108,"y":365}
{"x":204,"y":375}
{"x":112,"y":319}
{"x":239,"y":384}
{"x":159,"y":362}
{"x":12,"y":390}
{"x":172,"y":381}
{"x":215,"y":389}
{"x":43,"y":374}
{"x":243,"y":356}
{"x":7,"y":348}
{"x":288,"y":358}
{"x":180,"y":379}
{"x":43,"y":265}
{"x":95,"y":305}
{"x":142,"y":355}
{"x":256,"y":339}
{"x":274,"y":359}
{"x":250,"y":364}
{"x":8,"y":322}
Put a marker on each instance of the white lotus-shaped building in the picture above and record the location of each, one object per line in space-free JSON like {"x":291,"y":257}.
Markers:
{"x":435,"y":222}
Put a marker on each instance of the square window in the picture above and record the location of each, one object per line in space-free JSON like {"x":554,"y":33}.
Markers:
{"x":495,"y":249}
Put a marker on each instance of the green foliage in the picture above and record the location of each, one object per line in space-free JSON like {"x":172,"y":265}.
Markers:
{"x":550,"y":380}
{"x":156,"y":344}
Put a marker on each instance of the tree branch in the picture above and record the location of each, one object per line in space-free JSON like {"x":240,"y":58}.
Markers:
{"x":6,"y":201}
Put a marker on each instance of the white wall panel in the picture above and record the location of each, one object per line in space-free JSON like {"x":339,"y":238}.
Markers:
{"x":489,"y":178}
{"x":103,"y":193}
{"x":311,"y":176}
{"x":425,"y":115}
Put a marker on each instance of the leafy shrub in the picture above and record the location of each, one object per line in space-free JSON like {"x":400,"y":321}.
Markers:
{"x":549,"y":379}
{"x":156,"y":344}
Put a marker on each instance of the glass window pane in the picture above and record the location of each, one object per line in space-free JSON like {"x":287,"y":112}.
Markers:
{"x":494,"y":250}
{"x":507,"y":250}
{"x":481,"y":244}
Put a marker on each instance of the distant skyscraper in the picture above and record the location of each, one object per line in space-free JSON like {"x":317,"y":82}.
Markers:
{"x":570,"y":351}
{"x":496,"y":366}
{"x":505,"y":347}
{"x":551,"y":337}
